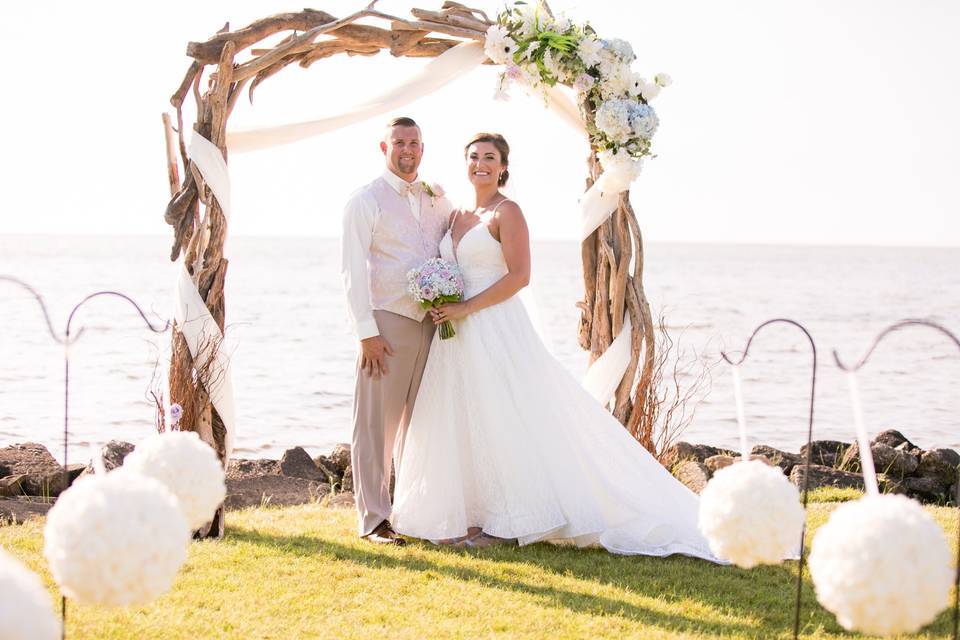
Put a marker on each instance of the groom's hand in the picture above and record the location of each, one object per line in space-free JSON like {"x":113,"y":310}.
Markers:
{"x":373,"y":355}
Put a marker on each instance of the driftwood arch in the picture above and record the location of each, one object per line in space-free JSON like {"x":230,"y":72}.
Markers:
{"x":612,"y":256}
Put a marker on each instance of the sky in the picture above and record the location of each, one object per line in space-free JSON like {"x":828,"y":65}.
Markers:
{"x":813,"y":122}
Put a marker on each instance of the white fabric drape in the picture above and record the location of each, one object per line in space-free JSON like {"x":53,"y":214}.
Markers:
{"x":437,"y":73}
{"x":604,"y":375}
{"x":199,"y":327}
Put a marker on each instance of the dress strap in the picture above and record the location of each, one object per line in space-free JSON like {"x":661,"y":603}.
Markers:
{"x":494,"y":210}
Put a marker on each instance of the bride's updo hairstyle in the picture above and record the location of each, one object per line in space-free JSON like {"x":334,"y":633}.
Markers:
{"x":500,"y":143}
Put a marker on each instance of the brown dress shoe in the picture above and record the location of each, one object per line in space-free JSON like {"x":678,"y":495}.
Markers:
{"x":384,"y":534}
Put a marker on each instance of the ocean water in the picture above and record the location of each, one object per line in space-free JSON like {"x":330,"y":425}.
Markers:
{"x":293,"y":354}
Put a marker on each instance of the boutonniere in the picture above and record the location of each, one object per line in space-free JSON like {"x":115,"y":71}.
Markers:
{"x":433,"y":190}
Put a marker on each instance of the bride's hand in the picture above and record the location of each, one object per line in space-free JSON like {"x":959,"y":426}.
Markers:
{"x":449,"y":311}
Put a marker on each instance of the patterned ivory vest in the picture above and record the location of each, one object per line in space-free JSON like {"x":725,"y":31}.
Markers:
{"x":401,"y":243}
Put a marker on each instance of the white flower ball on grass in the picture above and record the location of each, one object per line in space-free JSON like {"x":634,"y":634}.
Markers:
{"x":188,"y":467}
{"x":751,"y":514}
{"x":115,"y":539}
{"x":881,"y":565}
{"x":26,"y":611}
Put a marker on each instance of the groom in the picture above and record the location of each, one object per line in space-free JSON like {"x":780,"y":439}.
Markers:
{"x":390,"y":226}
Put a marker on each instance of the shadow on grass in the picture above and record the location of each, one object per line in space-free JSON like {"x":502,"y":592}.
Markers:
{"x":757,"y":603}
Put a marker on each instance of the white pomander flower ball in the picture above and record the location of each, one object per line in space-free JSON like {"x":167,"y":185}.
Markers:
{"x":751,"y":514}
{"x":115,"y":539}
{"x":881,"y":565}
{"x":188,"y":467}
{"x":25,"y":607}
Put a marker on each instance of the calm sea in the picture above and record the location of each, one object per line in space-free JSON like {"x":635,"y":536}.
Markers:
{"x":294,"y":355}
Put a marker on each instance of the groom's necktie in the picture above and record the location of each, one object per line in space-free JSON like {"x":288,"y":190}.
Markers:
{"x":411,"y":191}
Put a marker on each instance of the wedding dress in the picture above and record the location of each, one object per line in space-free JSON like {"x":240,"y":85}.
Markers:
{"x":504,"y":438}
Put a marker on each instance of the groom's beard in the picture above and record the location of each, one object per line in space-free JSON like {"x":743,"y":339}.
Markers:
{"x":407,"y":165}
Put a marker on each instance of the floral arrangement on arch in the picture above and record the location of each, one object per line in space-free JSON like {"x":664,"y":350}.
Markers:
{"x":540,"y":51}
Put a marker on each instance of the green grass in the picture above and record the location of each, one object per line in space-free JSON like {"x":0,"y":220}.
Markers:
{"x":301,"y":572}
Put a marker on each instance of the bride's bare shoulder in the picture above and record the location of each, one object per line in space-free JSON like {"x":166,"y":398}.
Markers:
{"x":509,"y":210}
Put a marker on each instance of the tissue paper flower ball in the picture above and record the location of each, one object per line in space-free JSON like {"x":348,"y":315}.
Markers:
{"x":115,"y":539}
{"x":751,"y":514}
{"x":881,"y":565}
{"x":25,"y":608}
{"x":188,"y":467}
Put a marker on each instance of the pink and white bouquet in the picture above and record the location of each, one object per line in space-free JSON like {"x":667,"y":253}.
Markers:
{"x":436,"y":282}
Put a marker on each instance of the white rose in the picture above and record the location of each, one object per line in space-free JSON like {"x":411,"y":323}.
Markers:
{"x":649,"y":90}
{"x":663,"y":79}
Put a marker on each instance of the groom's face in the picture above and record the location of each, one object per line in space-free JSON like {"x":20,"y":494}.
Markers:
{"x":403,"y":149}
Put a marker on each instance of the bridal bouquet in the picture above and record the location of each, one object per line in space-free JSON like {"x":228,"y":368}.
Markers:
{"x":436,"y":282}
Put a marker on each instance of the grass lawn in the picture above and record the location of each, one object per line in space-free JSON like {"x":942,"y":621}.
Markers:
{"x":301,"y":572}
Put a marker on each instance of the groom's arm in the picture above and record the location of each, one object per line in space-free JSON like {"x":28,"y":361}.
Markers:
{"x":359,"y":219}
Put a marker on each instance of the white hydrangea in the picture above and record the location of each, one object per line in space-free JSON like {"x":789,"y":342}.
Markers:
{"x":589,"y":51}
{"x":562,"y":24}
{"x":613,"y":119}
{"x":751,"y":514}
{"x":185,"y":465}
{"x":619,"y":170}
{"x":115,"y":539}
{"x":663,"y":79}
{"x":499,"y":46}
{"x":881,"y":565}
{"x":26,"y":610}
{"x":616,"y":81}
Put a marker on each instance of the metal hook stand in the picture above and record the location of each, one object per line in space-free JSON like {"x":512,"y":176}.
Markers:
{"x":853,"y":369}
{"x":67,"y":342}
{"x":806,"y":475}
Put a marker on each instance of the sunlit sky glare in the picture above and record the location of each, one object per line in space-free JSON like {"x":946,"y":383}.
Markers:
{"x":813,"y":121}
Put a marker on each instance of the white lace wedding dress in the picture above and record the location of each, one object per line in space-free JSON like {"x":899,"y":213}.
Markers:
{"x":504,"y":438}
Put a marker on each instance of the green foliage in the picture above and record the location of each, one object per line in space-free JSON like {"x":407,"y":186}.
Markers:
{"x":301,"y":572}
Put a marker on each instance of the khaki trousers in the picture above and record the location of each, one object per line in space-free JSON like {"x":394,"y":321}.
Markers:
{"x":381,"y":412}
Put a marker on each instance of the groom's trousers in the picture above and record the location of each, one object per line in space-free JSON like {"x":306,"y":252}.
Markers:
{"x":381,"y":412}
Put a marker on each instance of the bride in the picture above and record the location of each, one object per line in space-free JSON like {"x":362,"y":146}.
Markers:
{"x":504,"y":444}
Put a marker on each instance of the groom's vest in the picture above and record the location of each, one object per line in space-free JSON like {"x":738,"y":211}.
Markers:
{"x":401,"y":243}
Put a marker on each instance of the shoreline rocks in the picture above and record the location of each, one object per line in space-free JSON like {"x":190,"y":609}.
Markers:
{"x":929,"y":476}
{"x":31,"y":479}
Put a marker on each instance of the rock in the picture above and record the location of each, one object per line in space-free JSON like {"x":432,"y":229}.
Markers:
{"x":782,"y":459}
{"x":682,"y":451}
{"x":44,"y":475}
{"x":340,"y":458}
{"x":342,"y":500}
{"x":18,"y":510}
{"x":953,"y":492}
{"x":890,"y":484}
{"x":897,"y":463}
{"x":895,"y":439}
{"x":273,"y":490}
{"x":825,"y":452}
{"x":824,"y":476}
{"x":297,"y":463}
{"x":346,"y":483}
{"x":715,"y":463}
{"x":328,"y":468}
{"x":74,"y":471}
{"x":243,"y":468}
{"x":114,"y":453}
{"x":926,"y":489}
{"x":940,"y":464}
{"x":10,"y":486}
{"x":693,"y":474}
